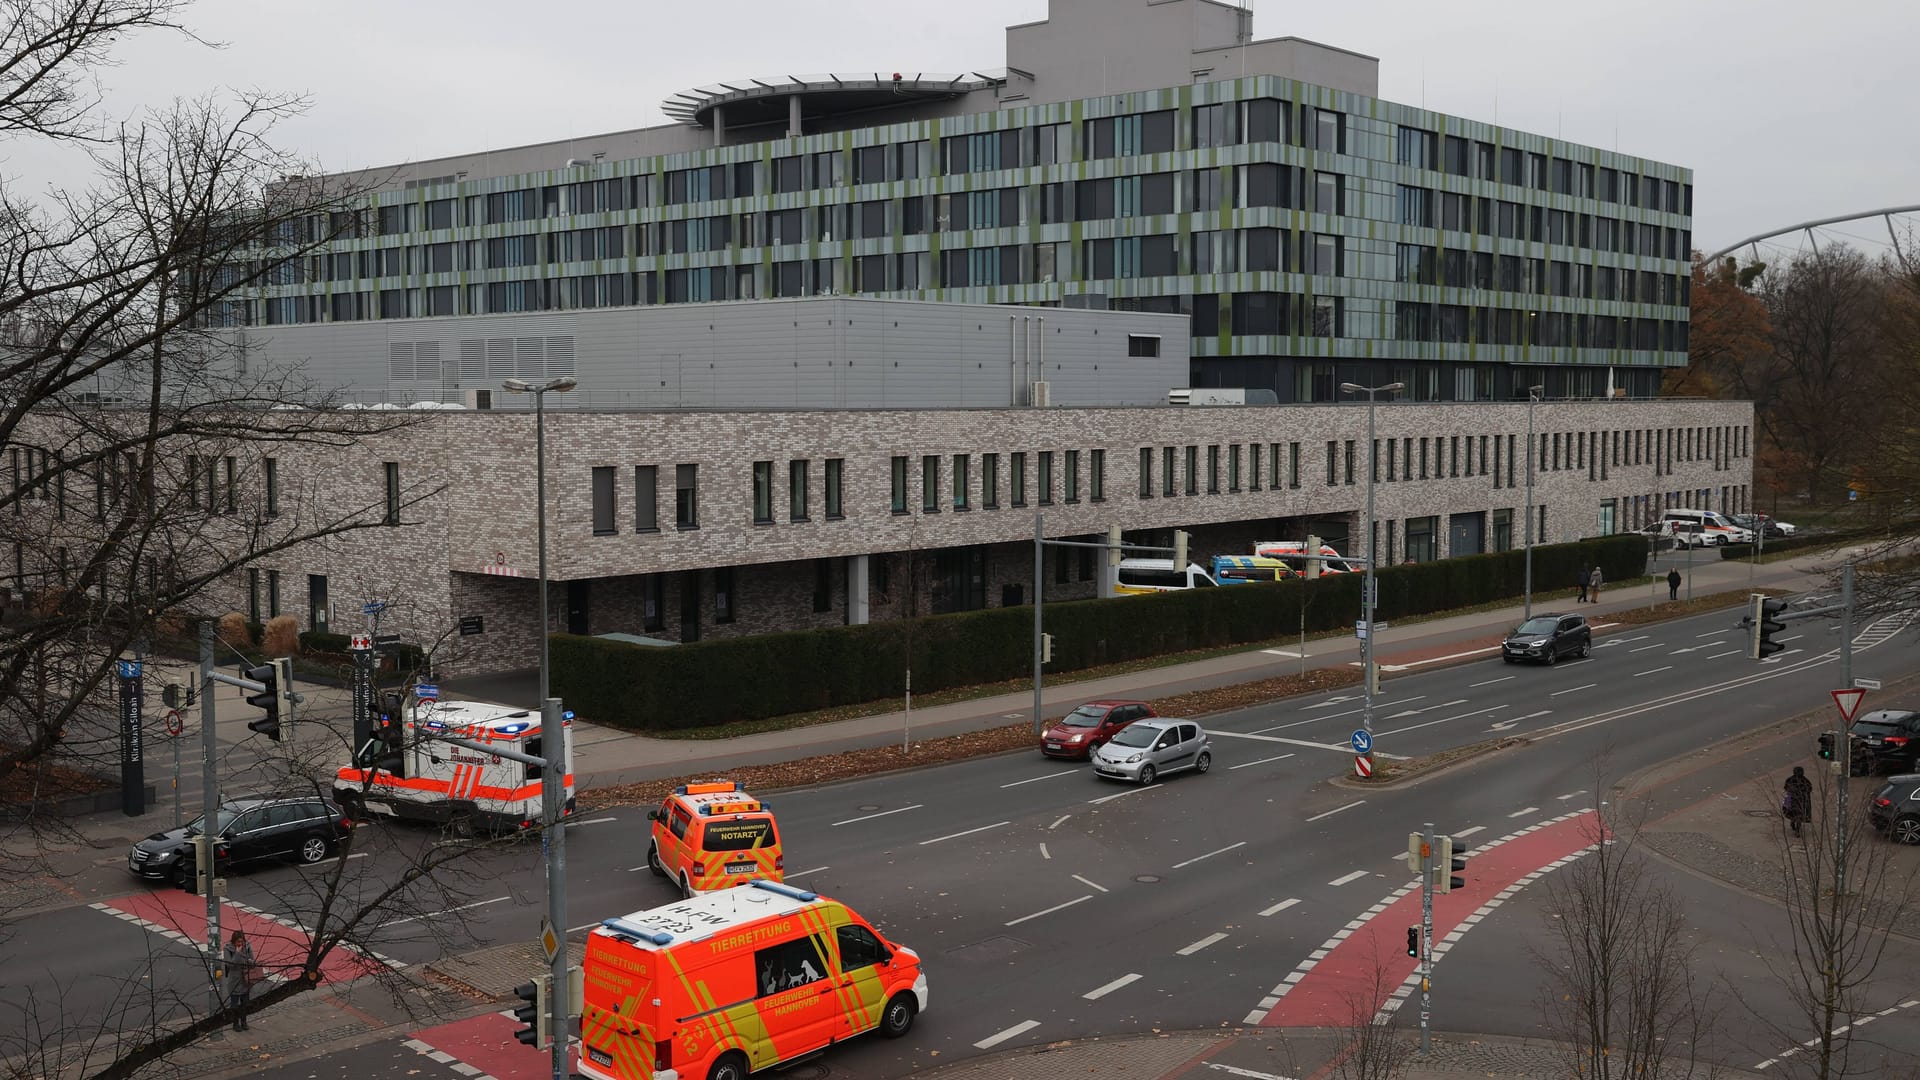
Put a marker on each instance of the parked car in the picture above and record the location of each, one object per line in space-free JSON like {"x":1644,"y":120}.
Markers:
{"x":305,"y":829}
{"x":1154,"y":747}
{"x":1086,"y":729}
{"x":1895,"y":809}
{"x":1544,"y":639}
{"x":1883,"y":741}
{"x":1762,"y":524}
{"x":1682,"y":534}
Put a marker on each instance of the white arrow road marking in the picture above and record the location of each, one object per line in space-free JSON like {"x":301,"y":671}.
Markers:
{"x":1248,"y":1074}
{"x":1335,"y":700}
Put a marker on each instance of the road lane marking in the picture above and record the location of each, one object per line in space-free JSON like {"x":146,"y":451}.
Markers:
{"x":1209,"y":855}
{"x":1051,"y":910}
{"x":1428,"y":708}
{"x":967,"y":832}
{"x":1574,"y":690}
{"x":1057,"y":822}
{"x":1442,"y":720}
{"x":1044,"y":853}
{"x":1490,"y":682}
{"x":1210,"y":939}
{"x":1020,"y":1028}
{"x":1782,"y":656}
{"x":1571,"y":795}
{"x":1347,"y":879}
{"x":883,"y":813}
{"x":1434,"y":659}
{"x":1338,"y":748}
{"x":1336,"y":810}
{"x":1644,"y":648}
{"x":1283,"y":652}
{"x":807,"y":873}
{"x":1795,"y":637}
{"x":449,"y":911}
{"x":1135,"y":790}
{"x":1037,"y":779}
{"x":1602,"y":625}
{"x":1655,"y":671}
{"x":1710,"y":633}
{"x":1281,"y":906}
{"x":1470,"y":832}
{"x":1303,"y":723}
{"x":1524,"y":813}
{"x":1716,"y":656}
{"x":1262,"y":761}
{"x":1102,"y":991}
{"x":1090,"y":884}
{"x":1337,"y":700}
{"x":593,"y":821}
{"x":1246,"y":1074}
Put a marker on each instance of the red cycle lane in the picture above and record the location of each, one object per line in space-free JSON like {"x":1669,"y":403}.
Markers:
{"x":1362,"y":969}
{"x":280,"y":949}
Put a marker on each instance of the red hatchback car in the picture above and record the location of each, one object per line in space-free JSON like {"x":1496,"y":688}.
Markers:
{"x":1078,"y":733}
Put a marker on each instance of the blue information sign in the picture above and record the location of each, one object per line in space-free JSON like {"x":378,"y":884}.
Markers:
{"x":1362,"y":742}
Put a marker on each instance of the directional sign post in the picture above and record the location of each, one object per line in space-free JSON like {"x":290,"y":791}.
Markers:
{"x":1363,"y":766}
{"x":1362,"y":742}
{"x":426,"y":691}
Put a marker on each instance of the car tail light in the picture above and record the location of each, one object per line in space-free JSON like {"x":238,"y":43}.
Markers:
{"x":779,"y":862}
{"x":1896,"y":740}
{"x":346,"y":822}
{"x":699,"y":869}
{"x":1883,"y":801}
{"x":663,"y":1055}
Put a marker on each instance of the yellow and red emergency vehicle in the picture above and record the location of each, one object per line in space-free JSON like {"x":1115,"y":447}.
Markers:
{"x":736,"y":981}
{"x":712,"y":835}
{"x":426,"y":779}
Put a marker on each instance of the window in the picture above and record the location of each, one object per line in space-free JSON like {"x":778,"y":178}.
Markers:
{"x":899,"y":480}
{"x":1146,"y":472}
{"x":990,"y":481}
{"x":1193,"y":470}
{"x":723,"y":594}
{"x":763,"y":492}
{"x":1073,"y":476}
{"x":686,"y":496}
{"x":961,"y":479}
{"x":1253,"y":466}
{"x":1046,"y":478}
{"x":646,"y":508}
{"x":1166,"y":472}
{"x":393,"y":491}
{"x":1213,"y":469}
{"x":603,"y":501}
{"x":1333,"y":452}
{"x":1143,"y":345}
{"x":1327,"y":192}
{"x":273,"y":593}
{"x":273,"y":486}
{"x":1233,"y":467}
{"x":1349,"y":461}
{"x":930,"y":483}
{"x":1097,"y":475}
{"x":1017,"y":479}
{"x":797,"y":508}
{"x":1293,"y":464}
{"x":836,"y":470}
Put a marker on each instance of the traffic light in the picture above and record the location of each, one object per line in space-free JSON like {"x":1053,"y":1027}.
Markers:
{"x":1180,"y":538}
{"x":267,"y":699}
{"x":1115,"y":552}
{"x":1416,"y":853}
{"x":195,"y":882}
{"x":1827,"y":741}
{"x":1413,"y":941}
{"x":1762,"y":624}
{"x":532,"y":1011}
{"x":1452,"y":856}
{"x":1046,"y":648}
{"x":1313,"y":557}
{"x":171,"y":694}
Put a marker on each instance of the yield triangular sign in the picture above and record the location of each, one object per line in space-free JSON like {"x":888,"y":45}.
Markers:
{"x":1848,"y":701}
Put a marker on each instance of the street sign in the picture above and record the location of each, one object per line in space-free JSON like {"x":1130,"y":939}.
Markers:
{"x":175,"y":725}
{"x":1867,"y":684}
{"x":360,"y":641}
{"x":549,"y":941}
{"x":374,"y":608}
{"x":471,"y":625}
{"x":426,"y":691}
{"x":1362,"y":766}
{"x":1362,"y":742}
{"x":129,"y":669}
{"x":1848,"y":702}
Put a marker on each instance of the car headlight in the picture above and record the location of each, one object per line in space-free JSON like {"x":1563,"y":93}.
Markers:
{"x":163,"y":856}
{"x":1135,"y":759}
{"x":1076,"y":738}
{"x":1536,"y":644}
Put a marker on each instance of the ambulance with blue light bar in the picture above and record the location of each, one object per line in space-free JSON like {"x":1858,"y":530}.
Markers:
{"x":407,"y":771}
{"x":737,"y":981}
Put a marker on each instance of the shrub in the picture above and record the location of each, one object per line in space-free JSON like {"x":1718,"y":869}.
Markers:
{"x":231,"y":630}
{"x":321,"y":641}
{"x":281,"y":636}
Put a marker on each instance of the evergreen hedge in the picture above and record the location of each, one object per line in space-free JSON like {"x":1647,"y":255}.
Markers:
{"x":1789,"y":543}
{"x":714,"y":682}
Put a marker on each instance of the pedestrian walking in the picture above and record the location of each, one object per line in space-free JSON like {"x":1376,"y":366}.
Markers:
{"x":1593,"y":586}
{"x":238,"y":973}
{"x":1673,"y":584}
{"x":1580,"y":582}
{"x":1798,"y":804}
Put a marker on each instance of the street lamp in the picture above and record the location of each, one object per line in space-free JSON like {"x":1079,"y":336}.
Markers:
{"x":553,"y":740}
{"x":1367,"y":588}
{"x":1533,"y":398}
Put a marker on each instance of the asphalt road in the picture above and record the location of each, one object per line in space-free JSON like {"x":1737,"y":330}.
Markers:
{"x":1050,"y":904}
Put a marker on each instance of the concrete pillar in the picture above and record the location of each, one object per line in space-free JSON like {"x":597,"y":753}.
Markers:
{"x":859,"y":608}
{"x":793,"y":117}
{"x":719,"y":125}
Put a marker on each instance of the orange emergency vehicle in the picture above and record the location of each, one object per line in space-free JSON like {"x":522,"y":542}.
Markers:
{"x":732,"y":982}
{"x":712,"y":835}
{"x":426,"y":779}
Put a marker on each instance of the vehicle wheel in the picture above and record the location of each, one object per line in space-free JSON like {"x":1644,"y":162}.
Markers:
{"x":899,"y":1015}
{"x":313,"y":849}
{"x":1147,"y":773}
{"x":1553,"y":655}
{"x":1586,"y":650}
{"x":730,"y":1066}
{"x":1203,"y":762}
{"x":1905,"y":830}
{"x":686,"y":889}
{"x":653,"y":860}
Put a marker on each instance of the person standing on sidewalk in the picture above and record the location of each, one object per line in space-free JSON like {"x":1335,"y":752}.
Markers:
{"x":1673,"y":584}
{"x":237,"y":969}
{"x":1593,"y":586}
{"x":1798,"y":805}
{"x":1580,"y":582}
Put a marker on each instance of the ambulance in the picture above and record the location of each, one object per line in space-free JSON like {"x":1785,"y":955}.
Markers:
{"x":712,"y":835}
{"x":1291,"y":550}
{"x":737,"y":981}
{"x":424,"y":779}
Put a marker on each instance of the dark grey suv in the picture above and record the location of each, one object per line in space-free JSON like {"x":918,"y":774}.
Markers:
{"x":1544,"y":639}
{"x":305,"y":829}
{"x":1895,"y":809}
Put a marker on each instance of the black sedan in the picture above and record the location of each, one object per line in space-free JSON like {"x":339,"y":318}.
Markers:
{"x":305,"y":829}
{"x":1544,"y":639}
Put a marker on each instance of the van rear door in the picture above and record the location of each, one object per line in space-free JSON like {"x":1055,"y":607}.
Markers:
{"x":619,"y":1025}
{"x":740,"y":849}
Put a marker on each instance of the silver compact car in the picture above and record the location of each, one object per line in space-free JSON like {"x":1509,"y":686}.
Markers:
{"x":1149,"y":748}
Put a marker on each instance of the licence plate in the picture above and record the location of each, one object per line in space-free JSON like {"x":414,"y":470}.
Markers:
{"x":600,"y":1057}
{"x":1053,"y":746}
{"x":741,"y":868}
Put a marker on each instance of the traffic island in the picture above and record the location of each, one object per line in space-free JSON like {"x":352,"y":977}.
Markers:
{"x":1404,"y":772}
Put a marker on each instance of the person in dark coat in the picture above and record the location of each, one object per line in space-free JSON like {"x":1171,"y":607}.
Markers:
{"x":1673,"y":584}
{"x":1580,"y":582}
{"x":237,"y":974}
{"x":1798,"y":805}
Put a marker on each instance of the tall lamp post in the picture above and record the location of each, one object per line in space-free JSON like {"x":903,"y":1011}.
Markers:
{"x":1533,"y":398}
{"x":1367,"y":590}
{"x":553,"y":838}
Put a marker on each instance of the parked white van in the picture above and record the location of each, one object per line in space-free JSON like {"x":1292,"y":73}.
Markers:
{"x":1715,"y":528}
{"x":1160,"y":575}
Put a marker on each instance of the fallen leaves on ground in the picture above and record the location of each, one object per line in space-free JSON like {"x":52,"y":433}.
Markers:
{"x":1680,"y":609}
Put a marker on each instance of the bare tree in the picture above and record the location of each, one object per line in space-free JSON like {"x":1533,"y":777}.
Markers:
{"x":1620,"y":994}
{"x":1376,"y":1048}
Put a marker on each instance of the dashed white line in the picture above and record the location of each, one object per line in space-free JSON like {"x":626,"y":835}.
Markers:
{"x":1716,"y":656}
{"x":1655,"y":671}
{"x":1020,"y":1028}
{"x":1348,"y":879}
{"x":1281,"y":906}
{"x":966,"y":832}
{"x":881,"y":814}
{"x":1201,"y":944}
{"x":1571,"y":795}
{"x":1037,"y":779}
{"x":1262,"y":761}
{"x":1209,"y":855}
{"x":449,"y":911}
{"x":1090,"y":884}
{"x":1102,"y":991}
{"x":1336,"y":810}
{"x":1059,"y":821}
{"x":1051,"y":910}
{"x":1795,"y":637}
{"x":1490,"y":682}
{"x":1470,"y":832}
{"x":1644,"y":648}
{"x":1044,"y":853}
{"x":1524,"y":813}
{"x":593,"y":821}
{"x":806,"y":873}
{"x":1122,"y":794}
{"x":1574,"y":690}
{"x":1710,"y":633}
{"x":1283,"y":652}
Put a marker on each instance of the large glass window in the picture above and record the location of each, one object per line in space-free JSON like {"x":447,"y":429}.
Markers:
{"x":797,"y":489}
{"x":686,"y":485}
{"x":646,"y":509}
{"x":899,"y":484}
{"x":762,"y":492}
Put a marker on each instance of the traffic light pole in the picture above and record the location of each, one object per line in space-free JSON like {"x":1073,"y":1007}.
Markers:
{"x":1846,"y":738}
{"x":1426,"y":941}
{"x":209,"y":814}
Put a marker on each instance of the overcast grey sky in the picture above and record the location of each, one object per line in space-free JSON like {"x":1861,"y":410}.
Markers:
{"x":1785,"y":110}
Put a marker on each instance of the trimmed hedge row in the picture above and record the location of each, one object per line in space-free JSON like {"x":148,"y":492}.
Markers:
{"x":1785,"y":543}
{"x":714,"y":682}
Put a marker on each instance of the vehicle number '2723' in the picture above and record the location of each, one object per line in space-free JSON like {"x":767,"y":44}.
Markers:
{"x":676,"y":921}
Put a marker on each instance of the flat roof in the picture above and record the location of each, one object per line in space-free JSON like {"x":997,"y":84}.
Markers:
{"x":764,"y":100}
